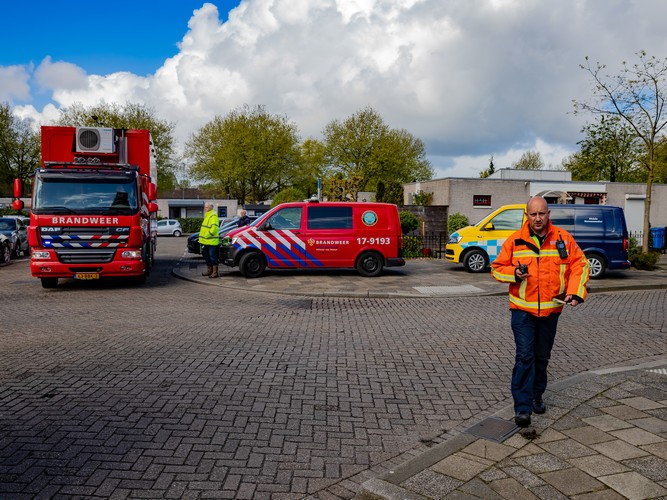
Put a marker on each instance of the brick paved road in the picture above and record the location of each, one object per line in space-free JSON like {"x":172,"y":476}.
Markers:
{"x":181,"y":390}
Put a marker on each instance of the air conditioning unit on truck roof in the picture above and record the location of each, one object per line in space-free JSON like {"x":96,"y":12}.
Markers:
{"x":95,"y":140}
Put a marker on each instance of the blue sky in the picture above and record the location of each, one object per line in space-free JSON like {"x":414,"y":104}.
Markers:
{"x":470,"y":78}
{"x":99,"y":36}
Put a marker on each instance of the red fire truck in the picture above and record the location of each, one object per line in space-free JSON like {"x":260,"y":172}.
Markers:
{"x":93,"y":205}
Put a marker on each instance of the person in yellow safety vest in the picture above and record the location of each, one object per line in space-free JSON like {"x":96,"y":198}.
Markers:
{"x":545,"y":269}
{"x":210,"y":240}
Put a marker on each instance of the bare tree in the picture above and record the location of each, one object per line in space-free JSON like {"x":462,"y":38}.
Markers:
{"x":636,"y":95}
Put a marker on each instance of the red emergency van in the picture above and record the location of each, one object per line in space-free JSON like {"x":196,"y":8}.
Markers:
{"x":364,"y":236}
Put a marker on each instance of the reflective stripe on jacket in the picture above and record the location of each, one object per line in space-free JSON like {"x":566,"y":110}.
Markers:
{"x":208,"y":234}
{"x":550,"y":274}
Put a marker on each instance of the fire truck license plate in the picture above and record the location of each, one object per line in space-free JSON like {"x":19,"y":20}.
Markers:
{"x":87,"y":276}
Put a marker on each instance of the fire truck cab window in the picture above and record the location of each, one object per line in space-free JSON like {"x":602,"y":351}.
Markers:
{"x":68,"y":195}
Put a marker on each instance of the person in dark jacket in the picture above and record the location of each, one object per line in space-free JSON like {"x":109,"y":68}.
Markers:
{"x":244,"y":220}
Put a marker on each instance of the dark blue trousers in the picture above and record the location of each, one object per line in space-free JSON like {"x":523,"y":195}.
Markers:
{"x":534,"y":338}
{"x":210,"y":254}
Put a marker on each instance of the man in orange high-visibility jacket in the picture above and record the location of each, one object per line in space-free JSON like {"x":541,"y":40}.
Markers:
{"x":540,"y":262}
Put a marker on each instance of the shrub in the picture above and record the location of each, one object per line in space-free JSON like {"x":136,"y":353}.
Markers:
{"x":190,"y":224}
{"x":644,"y":261}
{"x":412,"y":246}
{"x":633,"y":248}
{"x":456,"y":221}
{"x":409,"y":221}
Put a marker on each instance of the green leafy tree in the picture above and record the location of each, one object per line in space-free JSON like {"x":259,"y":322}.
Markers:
{"x":637,"y":96}
{"x":379,"y":192}
{"x":394,"y":193}
{"x":610,"y":151}
{"x":530,"y":160}
{"x":487,"y":172}
{"x":312,"y":166}
{"x":19,"y":150}
{"x":340,"y":188}
{"x":661,"y":161}
{"x":130,"y":116}
{"x":363,"y":146}
{"x":288,"y":194}
{"x":250,"y":153}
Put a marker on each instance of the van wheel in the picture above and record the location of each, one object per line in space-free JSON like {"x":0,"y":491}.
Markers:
{"x":475,"y":261}
{"x":49,"y":282}
{"x":252,"y":265}
{"x":597,"y":265}
{"x":369,"y":264}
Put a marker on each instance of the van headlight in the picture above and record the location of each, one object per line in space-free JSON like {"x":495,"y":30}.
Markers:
{"x":454,"y":239}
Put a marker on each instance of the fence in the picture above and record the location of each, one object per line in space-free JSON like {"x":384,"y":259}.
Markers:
{"x":429,"y":244}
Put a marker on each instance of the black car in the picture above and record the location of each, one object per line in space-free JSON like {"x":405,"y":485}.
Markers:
{"x":193,"y":239}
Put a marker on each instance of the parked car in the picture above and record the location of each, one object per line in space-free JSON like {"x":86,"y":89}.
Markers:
{"x":23,"y":218}
{"x":193,"y":240}
{"x":5,"y":249}
{"x":16,"y":230}
{"x":169,"y":227}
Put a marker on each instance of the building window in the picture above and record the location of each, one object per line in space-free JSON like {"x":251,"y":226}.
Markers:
{"x":481,"y":200}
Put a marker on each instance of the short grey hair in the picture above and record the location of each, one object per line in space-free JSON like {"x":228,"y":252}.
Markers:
{"x":208,"y":205}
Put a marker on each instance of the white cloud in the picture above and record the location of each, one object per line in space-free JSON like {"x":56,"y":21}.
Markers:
{"x":60,"y":75}
{"x":14,"y":84}
{"x":472,"y":79}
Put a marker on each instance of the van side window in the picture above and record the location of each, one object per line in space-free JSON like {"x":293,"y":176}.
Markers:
{"x":329,"y":217}
{"x":509,"y":220}
{"x":287,"y":218}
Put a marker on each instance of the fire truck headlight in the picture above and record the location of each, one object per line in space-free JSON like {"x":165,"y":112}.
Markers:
{"x":41,"y":254}
{"x":131,"y":254}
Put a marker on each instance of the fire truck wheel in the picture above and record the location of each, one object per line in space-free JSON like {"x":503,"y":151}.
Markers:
{"x":252,"y":265}
{"x":369,"y":264}
{"x":49,"y":282}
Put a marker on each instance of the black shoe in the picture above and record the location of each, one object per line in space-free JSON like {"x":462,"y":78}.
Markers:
{"x":522,"y":419}
{"x":539,"y":407}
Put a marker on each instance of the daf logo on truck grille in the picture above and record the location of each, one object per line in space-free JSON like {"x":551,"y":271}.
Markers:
{"x":51,"y":230}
